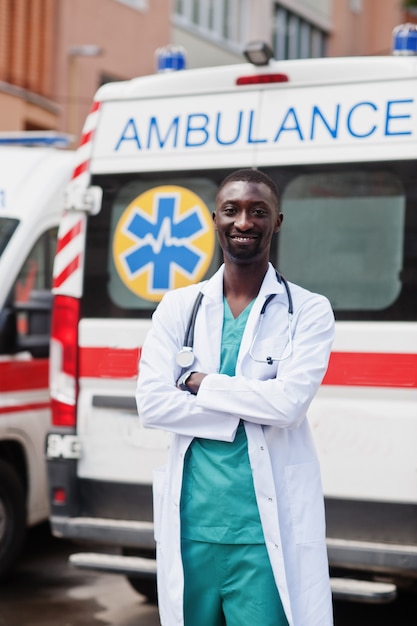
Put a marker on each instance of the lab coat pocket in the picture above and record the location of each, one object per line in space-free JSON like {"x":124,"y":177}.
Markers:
{"x":273,"y":346}
{"x":158,"y":487}
{"x":306,"y":501}
{"x":265,"y":355}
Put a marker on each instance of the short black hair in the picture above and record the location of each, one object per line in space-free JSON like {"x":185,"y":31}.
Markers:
{"x":252,"y":175}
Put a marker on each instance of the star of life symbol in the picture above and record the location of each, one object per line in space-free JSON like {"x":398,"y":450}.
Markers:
{"x":165,"y":233}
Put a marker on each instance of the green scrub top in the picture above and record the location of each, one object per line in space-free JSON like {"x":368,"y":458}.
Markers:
{"x":218,"y":503}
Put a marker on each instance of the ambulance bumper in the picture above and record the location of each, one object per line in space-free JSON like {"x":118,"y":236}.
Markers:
{"x":139,"y":535}
{"x":138,"y":567}
{"x":123,"y":533}
{"x":394,"y":560}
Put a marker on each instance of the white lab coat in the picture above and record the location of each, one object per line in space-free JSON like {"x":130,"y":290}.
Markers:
{"x":273,"y":401}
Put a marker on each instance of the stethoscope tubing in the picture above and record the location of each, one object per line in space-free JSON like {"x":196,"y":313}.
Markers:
{"x":189,"y":333}
{"x":185,"y":356}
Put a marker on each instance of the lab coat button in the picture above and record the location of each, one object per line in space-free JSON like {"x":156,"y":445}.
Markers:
{"x":262,"y":448}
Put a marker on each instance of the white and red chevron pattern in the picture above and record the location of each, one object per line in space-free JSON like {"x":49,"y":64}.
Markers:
{"x":81,"y":170}
{"x":68,"y":265}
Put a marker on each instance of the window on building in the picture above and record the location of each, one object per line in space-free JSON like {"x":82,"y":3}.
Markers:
{"x":105,"y":77}
{"x":295,"y":37}
{"x":140,"y":5}
{"x":222,"y":20}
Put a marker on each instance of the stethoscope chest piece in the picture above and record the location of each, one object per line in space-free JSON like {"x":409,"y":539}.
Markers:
{"x":185,"y":357}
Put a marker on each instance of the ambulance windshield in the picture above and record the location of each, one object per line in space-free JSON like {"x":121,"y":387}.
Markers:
{"x":7,"y":227}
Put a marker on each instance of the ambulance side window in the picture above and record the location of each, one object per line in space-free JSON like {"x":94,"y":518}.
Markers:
{"x":344,"y":236}
{"x":32,"y":296}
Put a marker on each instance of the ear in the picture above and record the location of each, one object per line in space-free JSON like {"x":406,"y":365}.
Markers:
{"x":278,"y":223}
{"x":213,"y":215}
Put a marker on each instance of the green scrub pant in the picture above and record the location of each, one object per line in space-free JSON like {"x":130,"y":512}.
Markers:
{"x":229,"y":585}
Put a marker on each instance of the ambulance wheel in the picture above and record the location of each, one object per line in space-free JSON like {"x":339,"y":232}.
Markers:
{"x":12,"y":518}
{"x":145,"y":586}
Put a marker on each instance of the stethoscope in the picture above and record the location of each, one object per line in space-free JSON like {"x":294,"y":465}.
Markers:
{"x":185,"y":357}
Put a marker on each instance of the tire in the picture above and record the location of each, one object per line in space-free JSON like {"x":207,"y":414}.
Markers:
{"x":146,"y":586}
{"x":12,"y":518}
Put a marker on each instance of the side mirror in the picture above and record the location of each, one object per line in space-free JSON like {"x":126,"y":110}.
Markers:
{"x":25,"y":326}
{"x":80,"y":199}
{"x":8,"y":330}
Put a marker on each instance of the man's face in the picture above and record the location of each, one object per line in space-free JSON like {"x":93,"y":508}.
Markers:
{"x":245,"y":218}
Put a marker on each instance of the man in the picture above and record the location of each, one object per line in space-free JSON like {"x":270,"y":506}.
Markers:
{"x":238,"y":512}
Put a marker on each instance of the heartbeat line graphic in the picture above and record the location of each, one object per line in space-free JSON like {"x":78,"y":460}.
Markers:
{"x":163,"y":241}
{"x":164,"y":238}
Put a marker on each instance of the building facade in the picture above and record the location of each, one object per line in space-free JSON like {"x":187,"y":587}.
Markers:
{"x":54,"y":54}
{"x":364,"y":27}
{"x":215,"y":31}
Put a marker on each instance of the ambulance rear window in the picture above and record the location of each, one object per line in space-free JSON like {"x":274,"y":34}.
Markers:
{"x":349,"y":233}
{"x":7,"y":228}
{"x":343,"y":235}
{"x":152,"y":235}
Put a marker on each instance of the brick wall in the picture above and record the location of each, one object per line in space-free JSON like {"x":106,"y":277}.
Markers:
{"x":26,"y":44}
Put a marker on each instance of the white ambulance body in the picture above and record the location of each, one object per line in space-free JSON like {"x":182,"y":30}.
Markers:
{"x":340,"y":138}
{"x":32,"y":183}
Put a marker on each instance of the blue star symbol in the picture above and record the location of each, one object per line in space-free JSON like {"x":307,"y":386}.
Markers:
{"x":164,"y":242}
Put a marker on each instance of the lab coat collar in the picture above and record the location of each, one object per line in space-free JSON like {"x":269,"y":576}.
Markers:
{"x":213,"y":288}
{"x":270,"y":283}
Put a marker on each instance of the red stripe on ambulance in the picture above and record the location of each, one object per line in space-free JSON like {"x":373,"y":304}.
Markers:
{"x":85,"y":145}
{"x":109,"y":362}
{"x":86,"y":137}
{"x":80,"y":169}
{"x":20,"y":408}
{"x":68,"y":237}
{"x":348,"y":369}
{"x":69,"y":253}
{"x":67,"y":272}
{"x":19,"y":375}
{"x":363,"y":369}
{"x":95,"y":106}
{"x":68,"y":260}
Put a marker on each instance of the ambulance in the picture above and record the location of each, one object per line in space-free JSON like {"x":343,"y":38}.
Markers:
{"x":339,"y":136}
{"x":34,"y":171}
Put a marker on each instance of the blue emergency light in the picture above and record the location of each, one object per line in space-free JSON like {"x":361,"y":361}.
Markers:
{"x":404,"y":39}
{"x":34,"y":138}
{"x":170,"y":59}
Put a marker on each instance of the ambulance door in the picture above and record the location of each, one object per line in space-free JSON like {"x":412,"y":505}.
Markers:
{"x":24,"y":398}
{"x":154,"y":233}
{"x":350,"y":233}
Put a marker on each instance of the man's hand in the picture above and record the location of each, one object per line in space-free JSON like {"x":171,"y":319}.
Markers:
{"x":194,"y":382}
{"x":190,"y":381}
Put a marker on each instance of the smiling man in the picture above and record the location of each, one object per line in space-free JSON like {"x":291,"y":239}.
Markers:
{"x":239,"y":516}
